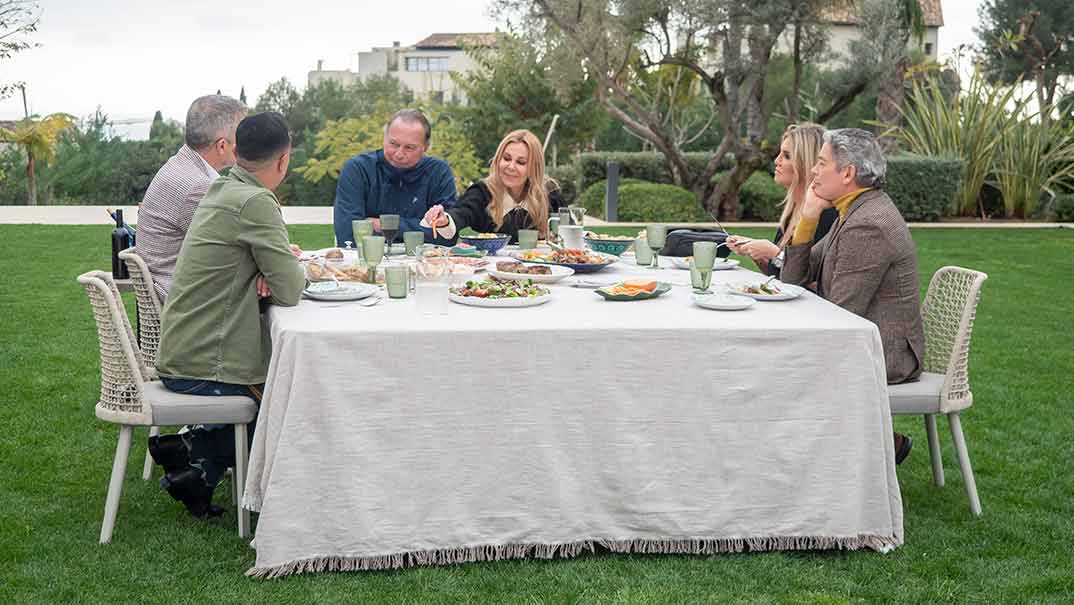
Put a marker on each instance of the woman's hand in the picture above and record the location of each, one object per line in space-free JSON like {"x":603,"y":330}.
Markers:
{"x":735,"y":243}
{"x":759,"y":250}
{"x":436,"y":216}
{"x":261,"y":285}
{"x":296,"y":250}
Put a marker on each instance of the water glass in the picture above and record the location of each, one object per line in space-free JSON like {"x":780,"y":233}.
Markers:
{"x":412,"y":240}
{"x":432,"y":285}
{"x":657,"y":236}
{"x":527,"y":239}
{"x":700,"y":278}
{"x":373,"y":249}
{"x":396,"y":278}
{"x":642,"y":252}
{"x":705,"y":254}
{"x":361,"y":228}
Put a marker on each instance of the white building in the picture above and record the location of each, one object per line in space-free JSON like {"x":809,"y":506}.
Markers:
{"x":425,"y":68}
{"x":843,"y":26}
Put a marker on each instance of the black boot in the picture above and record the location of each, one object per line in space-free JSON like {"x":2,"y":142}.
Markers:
{"x":188,"y":487}
{"x":170,"y":452}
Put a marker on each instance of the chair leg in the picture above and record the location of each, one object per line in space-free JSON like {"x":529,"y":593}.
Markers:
{"x":147,"y":470}
{"x":115,"y":484}
{"x":239,"y":478}
{"x":964,"y":462}
{"x":934,"y":449}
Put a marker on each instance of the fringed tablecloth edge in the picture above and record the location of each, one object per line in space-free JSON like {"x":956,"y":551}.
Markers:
{"x":476,"y":554}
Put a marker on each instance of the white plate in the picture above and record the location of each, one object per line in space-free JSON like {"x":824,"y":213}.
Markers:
{"x":721,"y":264}
{"x":558,"y":273}
{"x":474,"y":301}
{"x":787,"y":291}
{"x":326,"y":290}
{"x":723,"y":302}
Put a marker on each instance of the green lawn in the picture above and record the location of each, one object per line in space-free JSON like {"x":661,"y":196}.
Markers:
{"x":56,"y":459}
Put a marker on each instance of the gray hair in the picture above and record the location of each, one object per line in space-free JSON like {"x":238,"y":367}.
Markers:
{"x":858,"y":148}
{"x":210,"y":118}
{"x":413,"y":116}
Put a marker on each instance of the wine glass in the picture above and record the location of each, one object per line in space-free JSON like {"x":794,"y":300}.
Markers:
{"x":656,"y":236}
{"x":373,"y":248}
{"x":389,"y":226}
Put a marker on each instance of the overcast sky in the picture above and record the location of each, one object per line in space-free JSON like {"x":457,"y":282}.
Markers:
{"x":133,"y":57}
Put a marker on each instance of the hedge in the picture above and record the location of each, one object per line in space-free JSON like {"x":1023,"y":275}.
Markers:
{"x":923,"y":187}
{"x":641,"y":202}
{"x":567,"y":177}
{"x":1063,"y":205}
{"x":643,"y":165}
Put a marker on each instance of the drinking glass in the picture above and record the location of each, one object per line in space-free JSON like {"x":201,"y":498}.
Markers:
{"x":705,"y":254}
{"x":432,"y":284}
{"x":397,"y":278}
{"x":656,"y":235}
{"x":577,"y":214}
{"x":642,"y":253}
{"x":527,"y":239}
{"x":373,"y":248}
{"x":361,"y":228}
{"x":700,"y":278}
{"x":412,"y":240}
{"x":389,"y":226}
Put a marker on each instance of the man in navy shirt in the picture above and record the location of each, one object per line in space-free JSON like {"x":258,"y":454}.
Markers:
{"x":396,"y":179}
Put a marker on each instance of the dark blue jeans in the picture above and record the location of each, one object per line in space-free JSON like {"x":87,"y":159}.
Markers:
{"x":212,"y":446}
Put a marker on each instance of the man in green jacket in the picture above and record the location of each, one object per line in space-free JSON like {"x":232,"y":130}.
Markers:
{"x":235,"y":255}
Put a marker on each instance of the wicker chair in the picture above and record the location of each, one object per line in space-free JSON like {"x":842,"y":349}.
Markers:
{"x":149,"y":309}
{"x":944,"y":387}
{"x":130,"y":398}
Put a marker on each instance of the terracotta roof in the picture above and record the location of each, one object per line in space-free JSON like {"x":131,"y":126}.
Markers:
{"x":848,"y":15}
{"x":458,"y":40}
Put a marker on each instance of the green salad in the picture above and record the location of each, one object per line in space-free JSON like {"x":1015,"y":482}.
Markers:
{"x":494,"y":288}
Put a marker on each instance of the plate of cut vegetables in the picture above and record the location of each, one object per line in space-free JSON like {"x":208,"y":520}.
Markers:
{"x":582,"y":261}
{"x":492,"y":292}
{"x":771,"y":289}
{"x":633,"y":290}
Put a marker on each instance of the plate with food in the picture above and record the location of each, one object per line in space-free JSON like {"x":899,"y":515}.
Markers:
{"x":770,"y":289}
{"x":723,"y":301}
{"x":337,"y":291}
{"x":633,"y":290}
{"x":489,"y":242}
{"x":582,"y":261}
{"x":492,"y":292}
{"x":477,"y":264}
{"x":540,"y":274}
{"x":721,"y":264}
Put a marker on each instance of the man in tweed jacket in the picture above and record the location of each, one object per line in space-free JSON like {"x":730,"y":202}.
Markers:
{"x":867,"y":263}
{"x":175,"y":191}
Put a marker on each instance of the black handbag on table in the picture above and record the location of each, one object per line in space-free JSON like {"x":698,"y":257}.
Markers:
{"x":680,"y":242}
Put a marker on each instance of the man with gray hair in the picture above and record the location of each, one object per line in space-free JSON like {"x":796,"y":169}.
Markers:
{"x":395,"y":179}
{"x":175,"y":191}
{"x":867,"y":263}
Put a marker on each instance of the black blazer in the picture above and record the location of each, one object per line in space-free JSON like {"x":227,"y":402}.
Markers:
{"x":828,"y":218}
{"x":471,"y":210}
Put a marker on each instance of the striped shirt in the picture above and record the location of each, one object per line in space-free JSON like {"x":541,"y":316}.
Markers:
{"x":166,"y":211}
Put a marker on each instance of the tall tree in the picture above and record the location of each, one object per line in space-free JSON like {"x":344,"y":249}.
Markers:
{"x":18,"y":19}
{"x":890,"y":24}
{"x":38,"y":139}
{"x":1028,"y":40}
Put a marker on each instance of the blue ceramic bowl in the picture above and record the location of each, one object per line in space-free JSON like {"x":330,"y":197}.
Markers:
{"x":488,"y":244}
{"x":609,"y":246}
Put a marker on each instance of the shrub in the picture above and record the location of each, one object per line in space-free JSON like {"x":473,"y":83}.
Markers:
{"x":646,"y":166}
{"x":759,"y":197}
{"x":593,"y":196}
{"x":1063,"y":205}
{"x":567,"y":177}
{"x":646,"y":202}
{"x":923,"y":187}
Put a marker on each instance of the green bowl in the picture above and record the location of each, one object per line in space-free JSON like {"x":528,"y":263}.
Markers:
{"x":609,"y":246}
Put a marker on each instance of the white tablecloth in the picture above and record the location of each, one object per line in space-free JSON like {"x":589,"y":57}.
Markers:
{"x":387,"y":438}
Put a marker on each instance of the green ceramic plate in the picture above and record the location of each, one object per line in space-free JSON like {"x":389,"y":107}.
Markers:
{"x":661,"y":287}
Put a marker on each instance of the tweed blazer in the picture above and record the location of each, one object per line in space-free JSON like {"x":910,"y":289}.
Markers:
{"x":867,"y":264}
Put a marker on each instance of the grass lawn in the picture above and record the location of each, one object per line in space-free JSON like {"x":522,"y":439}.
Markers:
{"x":56,"y":458}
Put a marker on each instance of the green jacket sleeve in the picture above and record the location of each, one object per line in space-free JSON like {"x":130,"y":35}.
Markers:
{"x":264,"y":232}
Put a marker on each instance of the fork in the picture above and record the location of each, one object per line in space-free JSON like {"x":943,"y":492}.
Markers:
{"x":370,"y":301}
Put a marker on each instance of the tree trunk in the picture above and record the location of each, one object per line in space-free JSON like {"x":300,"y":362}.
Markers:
{"x":796,"y":87}
{"x":31,"y":178}
{"x":889,"y":102}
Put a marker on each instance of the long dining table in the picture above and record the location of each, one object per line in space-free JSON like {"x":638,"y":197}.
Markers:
{"x":390,"y":438}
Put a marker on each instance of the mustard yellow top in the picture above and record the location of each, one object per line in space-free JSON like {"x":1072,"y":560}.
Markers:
{"x":807,"y":228}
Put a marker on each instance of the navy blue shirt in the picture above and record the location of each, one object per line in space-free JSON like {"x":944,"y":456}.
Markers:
{"x":369,"y":186}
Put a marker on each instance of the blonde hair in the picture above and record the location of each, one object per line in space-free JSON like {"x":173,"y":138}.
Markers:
{"x":535,"y":197}
{"x":806,"y":140}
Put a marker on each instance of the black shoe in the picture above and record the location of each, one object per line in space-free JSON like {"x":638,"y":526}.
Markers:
{"x":170,"y":452}
{"x":188,"y":487}
{"x":903,"y":445}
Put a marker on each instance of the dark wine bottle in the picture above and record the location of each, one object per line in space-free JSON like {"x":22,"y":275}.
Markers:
{"x":121,"y":240}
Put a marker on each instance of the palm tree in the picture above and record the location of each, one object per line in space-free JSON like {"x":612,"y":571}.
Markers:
{"x":891,"y":93}
{"x":38,"y":138}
